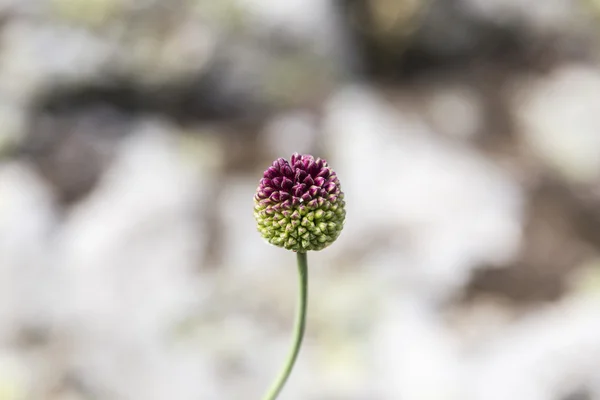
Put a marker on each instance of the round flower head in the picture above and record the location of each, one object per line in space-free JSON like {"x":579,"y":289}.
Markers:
{"x":299,"y":205}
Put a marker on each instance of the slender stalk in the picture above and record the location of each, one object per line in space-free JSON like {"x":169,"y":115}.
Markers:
{"x":299,"y":326}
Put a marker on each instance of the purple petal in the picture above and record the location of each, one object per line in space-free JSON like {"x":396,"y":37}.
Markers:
{"x":300,"y":175}
{"x":284,"y":195}
{"x":286,"y":205}
{"x":295,"y":201}
{"x":330,"y":187}
{"x":287,"y":171}
{"x":276,"y":164}
{"x":275,"y":197}
{"x":268,"y":191}
{"x":299,"y":189}
{"x":266,"y":182}
{"x":306,"y":197}
{"x":277,"y":182}
{"x":295,"y":157}
{"x":282,"y":163}
{"x":319,"y":181}
{"x":312,"y":204}
{"x":307,"y":158}
{"x":286,"y":183}
{"x":308,"y":181}
{"x":271,"y":173}
{"x":313,"y":168}
{"x":325,"y":172}
{"x":313,"y":191}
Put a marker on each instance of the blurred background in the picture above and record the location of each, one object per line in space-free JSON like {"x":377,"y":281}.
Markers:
{"x":466,"y":135}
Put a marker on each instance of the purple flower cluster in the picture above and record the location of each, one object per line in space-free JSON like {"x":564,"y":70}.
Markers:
{"x":299,"y":204}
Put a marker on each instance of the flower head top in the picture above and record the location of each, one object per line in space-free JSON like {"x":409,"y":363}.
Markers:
{"x":299,"y":205}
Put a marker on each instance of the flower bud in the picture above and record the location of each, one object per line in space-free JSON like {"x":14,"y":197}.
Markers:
{"x":299,"y":205}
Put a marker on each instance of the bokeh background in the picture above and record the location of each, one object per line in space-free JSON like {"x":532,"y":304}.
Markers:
{"x":466,"y":134}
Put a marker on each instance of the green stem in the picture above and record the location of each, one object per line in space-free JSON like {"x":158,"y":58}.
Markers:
{"x":299,"y":326}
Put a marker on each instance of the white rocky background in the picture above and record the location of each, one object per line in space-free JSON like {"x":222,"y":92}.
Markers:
{"x":466,"y":135}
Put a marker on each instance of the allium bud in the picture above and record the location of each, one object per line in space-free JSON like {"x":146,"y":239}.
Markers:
{"x":299,"y":205}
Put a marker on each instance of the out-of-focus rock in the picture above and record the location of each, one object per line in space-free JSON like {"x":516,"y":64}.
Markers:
{"x":553,"y":16}
{"x":38,"y":56}
{"x":559,"y":117}
{"x":313,"y":23}
{"x":127,"y":256}
{"x":27,"y":219}
{"x":455,"y":111}
{"x":532,"y":358}
{"x":414,"y":355}
{"x":72,"y":149}
{"x":556,"y":240}
{"x":151,"y":57}
{"x":432,"y":210}
{"x":12,"y":118}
